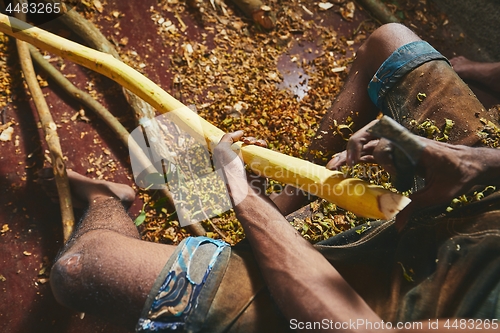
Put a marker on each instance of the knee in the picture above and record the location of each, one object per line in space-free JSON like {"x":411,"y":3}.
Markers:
{"x":383,"y":42}
{"x":65,"y":279}
{"x":390,"y":32}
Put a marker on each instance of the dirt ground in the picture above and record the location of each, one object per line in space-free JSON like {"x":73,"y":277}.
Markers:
{"x":276,"y":84}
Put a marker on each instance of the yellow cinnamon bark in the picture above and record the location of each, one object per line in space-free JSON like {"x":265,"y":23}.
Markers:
{"x":354,"y":195}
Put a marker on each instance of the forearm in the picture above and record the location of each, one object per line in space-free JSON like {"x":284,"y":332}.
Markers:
{"x":303,"y":283}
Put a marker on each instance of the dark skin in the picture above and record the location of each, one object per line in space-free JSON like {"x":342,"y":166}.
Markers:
{"x":319,"y":290}
{"x":449,"y":170}
{"x":352,"y":102}
{"x":486,"y":73}
{"x":108,"y":270}
{"x":105,"y":268}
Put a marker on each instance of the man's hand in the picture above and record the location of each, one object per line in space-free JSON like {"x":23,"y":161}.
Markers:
{"x":224,"y":155}
{"x":360,"y":148}
{"x":233,"y":169}
{"x":449,"y":170}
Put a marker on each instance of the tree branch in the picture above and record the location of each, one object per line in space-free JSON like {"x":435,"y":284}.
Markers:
{"x":51,"y":137}
{"x":366,"y":200}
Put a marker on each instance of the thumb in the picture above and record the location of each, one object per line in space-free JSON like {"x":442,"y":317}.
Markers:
{"x":231,"y":137}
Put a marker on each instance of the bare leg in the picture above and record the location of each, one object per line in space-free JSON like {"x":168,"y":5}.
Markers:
{"x":84,"y":190}
{"x":105,"y":268}
{"x":353,"y":101}
{"x":485,"y":73}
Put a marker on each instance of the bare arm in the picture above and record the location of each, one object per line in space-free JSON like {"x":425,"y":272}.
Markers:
{"x":303,"y":283}
{"x":306,"y":287}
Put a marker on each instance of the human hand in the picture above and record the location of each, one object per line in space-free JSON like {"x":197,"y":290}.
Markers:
{"x":449,"y":170}
{"x":223,"y":152}
{"x":224,"y":155}
{"x":231,"y":166}
{"x":364,"y":147}
{"x":226,"y":160}
{"x":250,"y":140}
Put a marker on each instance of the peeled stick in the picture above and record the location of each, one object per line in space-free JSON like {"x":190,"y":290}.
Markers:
{"x":352,"y":194}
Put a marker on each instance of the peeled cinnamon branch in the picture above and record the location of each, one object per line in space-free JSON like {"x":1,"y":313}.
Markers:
{"x":143,"y":111}
{"x":119,"y":130}
{"x":364,"y":199}
{"x":96,"y":40}
{"x":87,"y":100}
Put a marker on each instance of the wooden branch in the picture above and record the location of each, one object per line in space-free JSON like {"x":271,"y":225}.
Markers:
{"x":120,"y":131}
{"x":259,"y":13}
{"x":379,"y":11}
{"x":375,"y":202}
{"x":87,"y":100}
{"x":52,"y":139}
{"x":83,"y":28}
{"x":95,"y":39}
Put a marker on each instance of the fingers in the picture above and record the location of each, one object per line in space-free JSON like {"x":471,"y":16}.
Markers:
{"x":223,"y":153}
{"x":382,"y":153}
{"x":253,"y":141}
{"x":357,"y":142}
{"x":238,"y":135}
{"x":337,"y":161}
{"x":231,"y":137}
{"x":366,"y":155}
